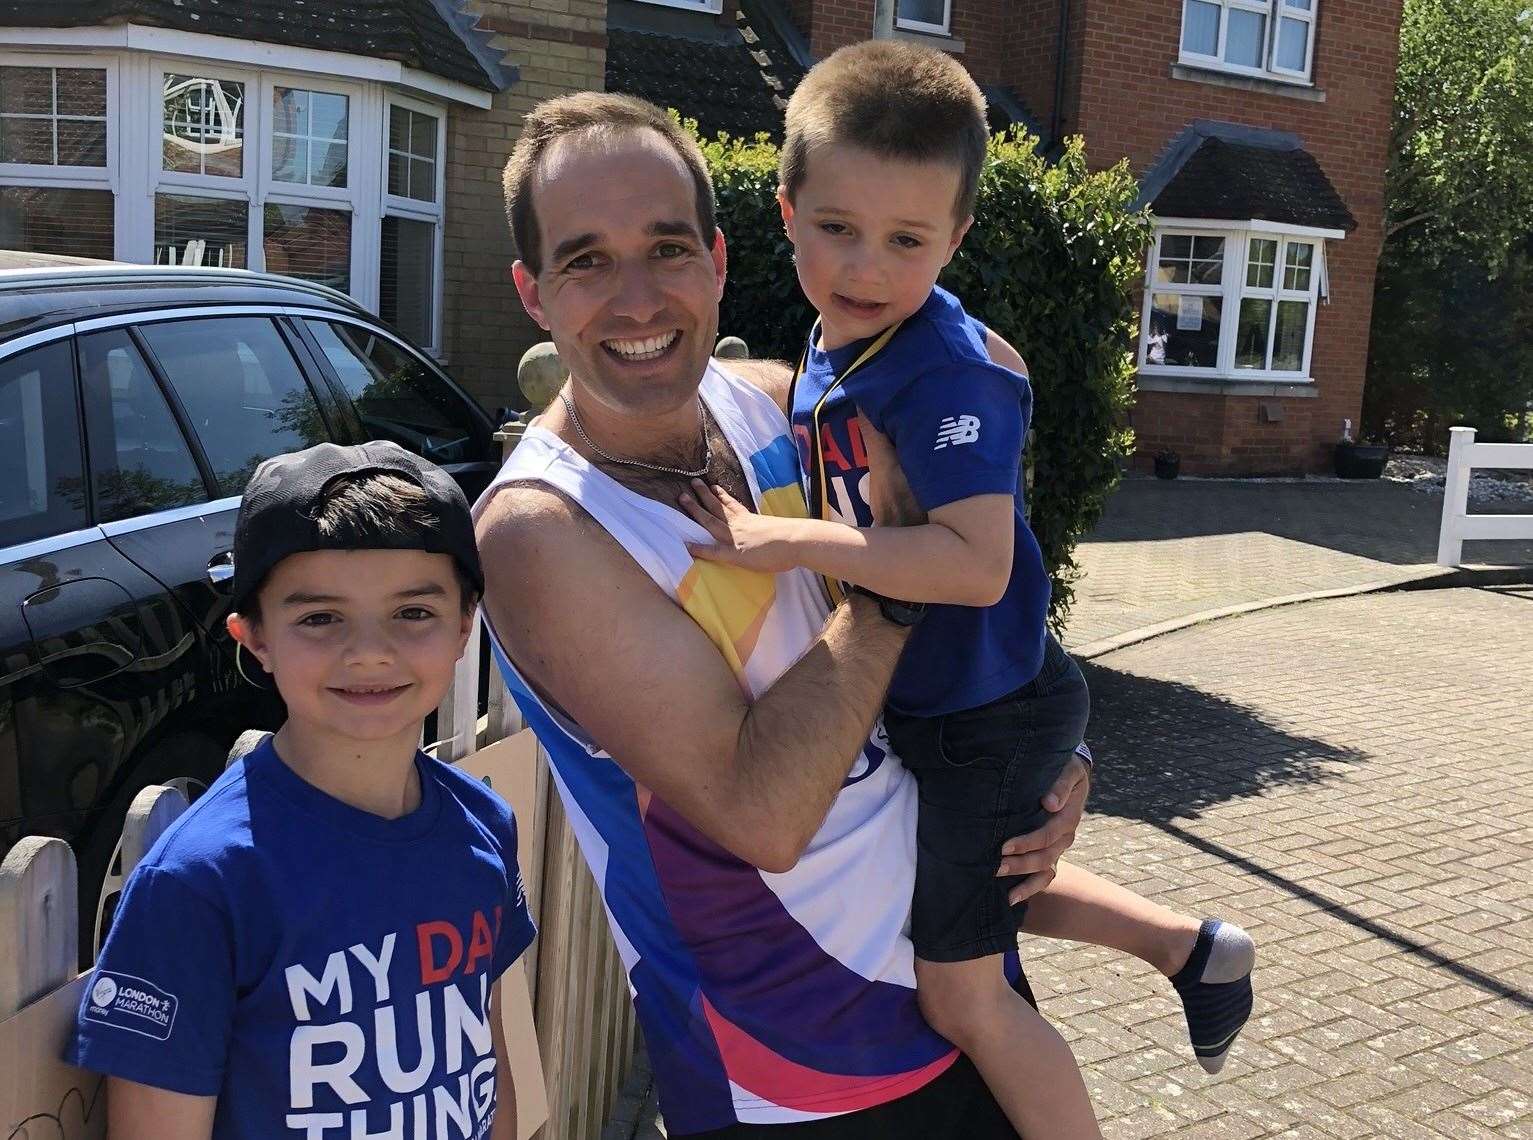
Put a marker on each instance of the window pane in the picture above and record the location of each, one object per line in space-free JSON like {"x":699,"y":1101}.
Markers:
{"x":924,"y":11}
{"x":315,"y":244}
{"x":309,"y":132}
{"x":40,"y":464}
{"x":1184,"y":330}
{"x":1246,"y":38}
{"x":406,"y":272}
{"x":399,"y":128}
{"x":73,"y":222}
{"x":422,"y":180}
{"x":82,"y":91}
{"x":398,"y":398}
{"x":204,"y":130}
{"x":1200,"y":28}
{"x":1259,"y":270}
{"x":140,"y":461}
{"x":26,"y":91}
{"x":1293,"y":39}
{"x":1251,"y":334}
{"x":26,"y":140}
{"x":82,"y":142}
{"x":242,"y":390}
{"x":200,"y":231}
{"x":1208,"y":260}
{"x":1302,"y":5}
{"x":1288,"y":344}
{"x":1300,"y":261}
{"x":423,"y":135}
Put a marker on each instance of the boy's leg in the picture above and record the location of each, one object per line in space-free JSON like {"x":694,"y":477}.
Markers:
{"x":1023,"y":1059}
{"x":1209,"y":963}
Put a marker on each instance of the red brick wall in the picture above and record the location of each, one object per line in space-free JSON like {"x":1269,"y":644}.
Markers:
{"x":836,"y":23}
{"x":983,"y":26}
{"x":1031,"y":40}
{"x":1128,"y":104}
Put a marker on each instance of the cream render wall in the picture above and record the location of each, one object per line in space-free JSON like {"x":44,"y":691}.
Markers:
{"x":557,"y":46}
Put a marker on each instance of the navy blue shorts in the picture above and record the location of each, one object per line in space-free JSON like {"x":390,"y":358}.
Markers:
{"x":982,"y":774}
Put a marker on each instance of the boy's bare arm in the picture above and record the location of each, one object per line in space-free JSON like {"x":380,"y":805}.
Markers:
{"x":142,"y":1112}
{"x":590,"y":629}
{"x":504,"y":1126}
{"x":961,"y":556}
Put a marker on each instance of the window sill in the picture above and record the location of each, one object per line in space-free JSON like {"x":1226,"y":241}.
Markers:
{"x":948,"y":43}
{"x":1289,"y":89}
{"x":1226,"y":385}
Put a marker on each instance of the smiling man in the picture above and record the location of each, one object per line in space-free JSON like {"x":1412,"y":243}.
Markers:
{"x":713,"y":731}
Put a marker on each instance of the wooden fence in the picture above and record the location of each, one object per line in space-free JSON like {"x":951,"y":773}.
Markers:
{"x":1464,"y":455}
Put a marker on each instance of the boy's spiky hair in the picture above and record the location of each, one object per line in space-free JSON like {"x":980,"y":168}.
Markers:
{"x":895,"y":100}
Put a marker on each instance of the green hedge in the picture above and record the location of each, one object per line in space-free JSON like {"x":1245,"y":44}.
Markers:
{"x":1051,"y":264}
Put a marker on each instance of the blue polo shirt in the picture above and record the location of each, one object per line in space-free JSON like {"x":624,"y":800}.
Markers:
{"x":958,"y":423}
{"x":320,"y":970}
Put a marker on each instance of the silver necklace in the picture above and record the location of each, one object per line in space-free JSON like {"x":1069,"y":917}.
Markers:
{"x":702,"y":415}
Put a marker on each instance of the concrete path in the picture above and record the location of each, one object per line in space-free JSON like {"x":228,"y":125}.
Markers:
{"x":1165,"y":551}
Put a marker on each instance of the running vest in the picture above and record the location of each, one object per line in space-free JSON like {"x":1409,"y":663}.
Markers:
{"x":764,"y":998}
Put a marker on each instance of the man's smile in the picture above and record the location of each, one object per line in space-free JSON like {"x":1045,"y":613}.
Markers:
{"x":644,"y":349}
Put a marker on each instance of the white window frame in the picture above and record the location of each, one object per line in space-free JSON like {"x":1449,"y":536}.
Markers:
{"x":1232,"y":288}
{"x":415,"y":210}
{"x":1275,"y":12}
{"x":942,"y":29}
{"x":134,"y":172}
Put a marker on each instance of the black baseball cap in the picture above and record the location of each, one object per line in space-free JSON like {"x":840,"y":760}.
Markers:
{"x":277,"y":513}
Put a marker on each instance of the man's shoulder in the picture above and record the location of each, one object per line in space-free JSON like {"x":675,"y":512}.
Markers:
{"x":773,"y":377}
{"x":519,"y":516}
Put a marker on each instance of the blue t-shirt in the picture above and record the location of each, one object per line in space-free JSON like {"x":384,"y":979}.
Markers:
{"x":958,"y":423}
{"x":323,"y":971}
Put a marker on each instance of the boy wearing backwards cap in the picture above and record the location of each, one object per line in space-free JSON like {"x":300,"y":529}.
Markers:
{"x":312,"y":949}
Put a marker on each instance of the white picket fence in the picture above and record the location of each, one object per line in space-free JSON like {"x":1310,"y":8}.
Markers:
{"x":1458,"y":525}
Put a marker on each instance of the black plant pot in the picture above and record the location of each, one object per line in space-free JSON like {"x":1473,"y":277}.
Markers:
{"x":1361,"y":460}
{"x":1167,"y":466}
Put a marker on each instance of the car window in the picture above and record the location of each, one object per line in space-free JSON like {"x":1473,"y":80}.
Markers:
{"x":139,"y":458}
{"x":42,"y":490}
{"x":398,"y":397}
{"x":242,"y":391}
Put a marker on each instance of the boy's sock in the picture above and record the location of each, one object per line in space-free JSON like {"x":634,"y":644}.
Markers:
{"x":1215,"y":986}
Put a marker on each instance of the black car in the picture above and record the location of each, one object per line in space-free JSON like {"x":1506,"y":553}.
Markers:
{"x":134,"y":404}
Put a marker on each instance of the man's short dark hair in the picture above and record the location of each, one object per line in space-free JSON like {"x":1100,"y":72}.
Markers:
{"x":895,"y":100}
{"x":594,"y":112}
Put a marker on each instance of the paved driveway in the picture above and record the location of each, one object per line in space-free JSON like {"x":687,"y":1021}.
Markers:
{"x":1352,"y":780}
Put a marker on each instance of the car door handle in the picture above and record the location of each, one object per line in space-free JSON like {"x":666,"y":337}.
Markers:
{"x":221,"y":570}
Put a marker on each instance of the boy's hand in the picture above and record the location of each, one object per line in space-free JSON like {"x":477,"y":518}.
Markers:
{"x":740,"y":536}
{"x":889,"y":495}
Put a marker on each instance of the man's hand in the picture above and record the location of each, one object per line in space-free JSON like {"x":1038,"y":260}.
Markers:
{"x":1035,"y":855}
{"x":889,"y":495}
{"x":740,"y":536}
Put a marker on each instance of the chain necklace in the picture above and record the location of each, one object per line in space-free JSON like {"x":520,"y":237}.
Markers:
{"x":702,"y":415}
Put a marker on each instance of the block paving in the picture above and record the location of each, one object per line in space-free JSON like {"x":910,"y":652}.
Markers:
{"x":1350,"y":780}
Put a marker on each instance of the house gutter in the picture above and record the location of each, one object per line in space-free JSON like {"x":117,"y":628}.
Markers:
{"x":1059,"y":71}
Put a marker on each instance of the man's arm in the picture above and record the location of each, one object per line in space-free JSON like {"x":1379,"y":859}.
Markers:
{"x":590,"y":629}
{"x":774,"y":377}
{"x":142,"y":1112}
{"x":1003,"y":354}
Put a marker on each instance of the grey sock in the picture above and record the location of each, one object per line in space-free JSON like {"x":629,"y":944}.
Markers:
{"x":1231,"y":957}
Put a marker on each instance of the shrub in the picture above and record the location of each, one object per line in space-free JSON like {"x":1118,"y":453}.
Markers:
{"x":1051,"y":264}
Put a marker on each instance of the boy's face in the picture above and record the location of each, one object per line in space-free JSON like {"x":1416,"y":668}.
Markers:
{"x":870,"y":235}
{"x":362,"y":643}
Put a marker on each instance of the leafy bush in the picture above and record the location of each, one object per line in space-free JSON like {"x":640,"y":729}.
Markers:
{"x":1050,"y":264}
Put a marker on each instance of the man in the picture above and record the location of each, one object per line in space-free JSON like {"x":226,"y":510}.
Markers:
{"x":712,"y":731}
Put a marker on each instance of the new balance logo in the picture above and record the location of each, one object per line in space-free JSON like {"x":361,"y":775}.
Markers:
{"x":964,"y":429}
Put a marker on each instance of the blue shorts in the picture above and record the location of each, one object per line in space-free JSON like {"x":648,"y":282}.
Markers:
{"x":982,"y":774}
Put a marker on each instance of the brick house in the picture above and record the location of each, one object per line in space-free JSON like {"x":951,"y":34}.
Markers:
{"x":1258,"y":129}
{"x":354,"y":142}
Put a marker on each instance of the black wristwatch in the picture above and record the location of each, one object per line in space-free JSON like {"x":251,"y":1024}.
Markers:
{"x":900,"y":613}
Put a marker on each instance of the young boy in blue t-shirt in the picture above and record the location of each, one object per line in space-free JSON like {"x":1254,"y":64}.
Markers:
{"x":313,"y":948}
{"x":880,"y":167}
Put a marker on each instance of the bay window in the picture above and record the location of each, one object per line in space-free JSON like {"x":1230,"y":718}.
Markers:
{"x":129,"y":156}
{"x":1235,"y":303}
{"x":1275,"y":38}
